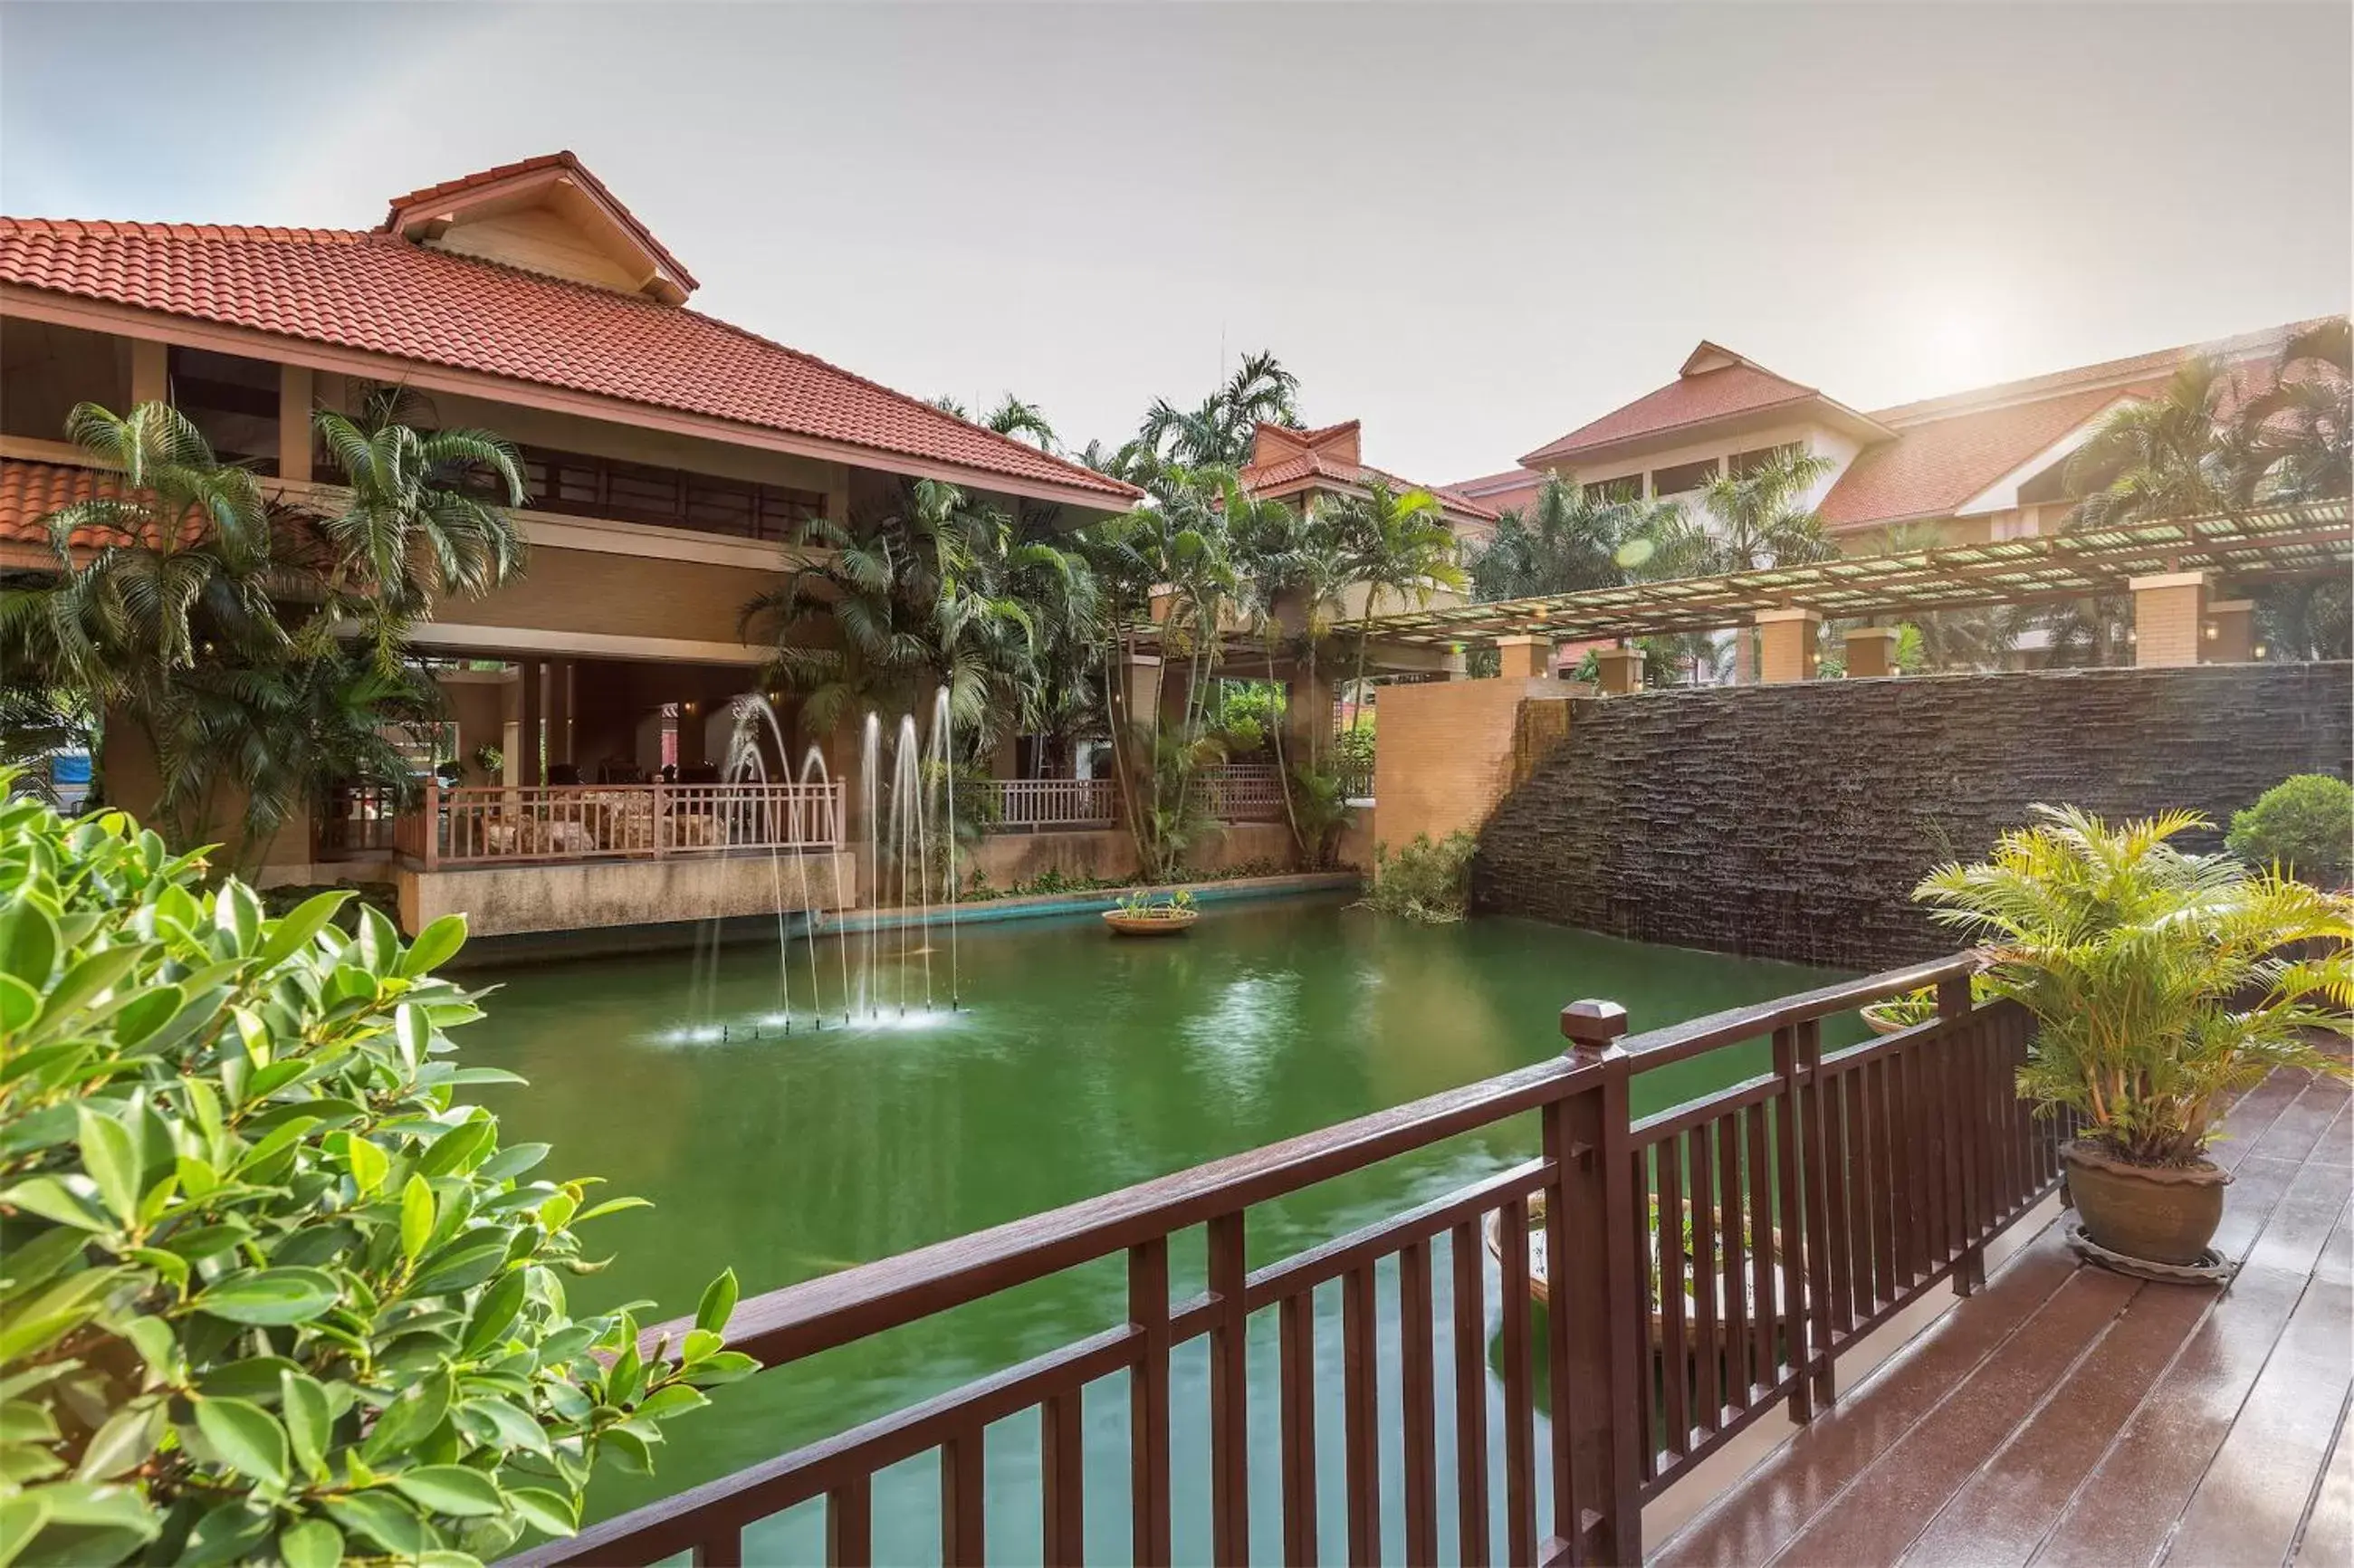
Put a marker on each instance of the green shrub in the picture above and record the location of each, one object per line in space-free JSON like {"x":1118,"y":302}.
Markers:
{"x":2304,"y":824}
{"x":1424,"y":881}
{"x":269,"y":1294}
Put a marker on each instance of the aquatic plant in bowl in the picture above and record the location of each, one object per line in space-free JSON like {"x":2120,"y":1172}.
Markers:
{"x":1142,"y":915}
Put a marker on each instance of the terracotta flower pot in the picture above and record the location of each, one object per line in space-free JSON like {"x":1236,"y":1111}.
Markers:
{"x":2161,"y":1214}
{"x":1162,"y":921}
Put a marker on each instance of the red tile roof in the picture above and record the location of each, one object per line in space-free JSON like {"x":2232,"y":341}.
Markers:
{"x":381,"y":294}
{"x":30,"y":491}
{"x":566,"y":161}
{"x":1948,"y":449}
{"x":1931,"y":468}
{"x":1300,"y":470}
{"x":1715,"y":383}
{"x":1513,"y":487}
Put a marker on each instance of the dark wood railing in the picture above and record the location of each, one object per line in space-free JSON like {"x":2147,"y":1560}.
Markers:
{"x":1823,"y":1196}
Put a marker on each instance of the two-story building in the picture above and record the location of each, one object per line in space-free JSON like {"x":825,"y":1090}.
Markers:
{"x":671,"y":457}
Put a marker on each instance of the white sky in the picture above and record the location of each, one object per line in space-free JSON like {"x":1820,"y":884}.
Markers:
{"x":1473,"y":227}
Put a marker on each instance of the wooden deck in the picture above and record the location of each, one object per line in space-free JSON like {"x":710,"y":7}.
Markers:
{"x":2068,"y":1415}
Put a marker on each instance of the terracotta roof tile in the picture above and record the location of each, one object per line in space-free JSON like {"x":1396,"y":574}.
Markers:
{"x":384,"y":295}
{"x":30,"y":491}
{"x":1296,"y":470}
{"x":1930,"y":469}
{"x":1737,"y":389}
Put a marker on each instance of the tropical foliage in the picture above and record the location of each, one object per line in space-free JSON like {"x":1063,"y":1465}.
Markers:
{"x":1423,"y":880}
{"x":2303,"y":824}
{"x":2161,"y":981}
{"x":272,"y":1293}
{"x":2218,"y":441}
{"x":259,"y":650}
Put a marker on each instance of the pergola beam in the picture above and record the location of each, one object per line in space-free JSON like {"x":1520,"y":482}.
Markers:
{"x":2314,"y":539}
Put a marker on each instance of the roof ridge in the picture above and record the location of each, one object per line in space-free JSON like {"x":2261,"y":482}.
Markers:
{"x":243,"y":233}
{"x":2075,"y":377}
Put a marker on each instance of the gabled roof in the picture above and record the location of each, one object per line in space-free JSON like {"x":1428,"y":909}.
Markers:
{"x":1286,"y":461}
{"x":1933,"y":467}
{"x":381,"y":294}
{"x":1513,"y":487}
{"x":428,"y":210}
{"x":1714,"y":384}
{"x":1946,"y":450}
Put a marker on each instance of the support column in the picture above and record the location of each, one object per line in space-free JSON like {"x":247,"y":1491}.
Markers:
{"x":527,"y":759}
{"x":2231,"y":634}
{"x":1871,"y":651}
{"x":1524,"y":657}
{"x":559,"y":710}
{"x":1787,"y":645}
{"x":2169,"y":614}
{"x":1141,"y":674}
{"x":294,"y":423}
{"x":151,"y":371}
{"x":1621,"y":671}
{"x":692,"y":750}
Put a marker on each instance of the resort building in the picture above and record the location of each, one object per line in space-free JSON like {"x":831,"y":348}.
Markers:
{"x":671,"y":457}
{"x":1966,"y":468}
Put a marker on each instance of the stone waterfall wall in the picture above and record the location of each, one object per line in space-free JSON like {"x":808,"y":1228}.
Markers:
{"x":1792,"y":822}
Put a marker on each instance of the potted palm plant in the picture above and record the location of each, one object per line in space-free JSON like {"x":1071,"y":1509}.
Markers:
{"x":2162,"y":982}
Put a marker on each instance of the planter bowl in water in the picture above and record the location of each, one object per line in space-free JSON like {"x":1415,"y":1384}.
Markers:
{"x":1163,"y":922}
{"x":2160,"y":1214}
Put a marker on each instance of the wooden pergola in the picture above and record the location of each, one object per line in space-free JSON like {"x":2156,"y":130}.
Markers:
{"x":2265,"y":544}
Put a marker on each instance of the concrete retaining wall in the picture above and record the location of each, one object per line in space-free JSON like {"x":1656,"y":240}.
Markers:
{"x":1793,"y":821}
{"x":509,"y":900}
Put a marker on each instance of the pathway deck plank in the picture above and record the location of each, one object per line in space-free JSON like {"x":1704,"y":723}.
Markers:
{"x":2072,"y":1416}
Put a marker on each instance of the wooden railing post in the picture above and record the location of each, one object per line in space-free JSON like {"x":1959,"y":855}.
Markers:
{"x":657,"y":822}
{"x":1598,"y":1332}
{"x":432,"y":822}
{"x":1954,"y":1006}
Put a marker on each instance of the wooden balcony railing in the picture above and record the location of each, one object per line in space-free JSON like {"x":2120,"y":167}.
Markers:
{"x":551,"y":823}
{"x":1242,"y":791}
{"x":1822,"y":1197}
{"x":353,"y":821}
{"x":1030,"y":805}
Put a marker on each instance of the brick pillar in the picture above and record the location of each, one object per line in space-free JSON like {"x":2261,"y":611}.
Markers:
{"x":1525,"y":658}
{"x":2169,"y":612}
{"x":1787,"y":645}
{"x":1871,"y":650}
{"x":1621,"y":670}
{"x":2231,"y":635}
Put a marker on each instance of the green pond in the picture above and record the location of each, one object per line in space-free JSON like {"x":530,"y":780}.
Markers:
{"x":1076,"y":1064}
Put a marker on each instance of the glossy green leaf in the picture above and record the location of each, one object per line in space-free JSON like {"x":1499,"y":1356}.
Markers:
{"x":550,"y":1514}
{"x":111,"y":1157}
{"x":309,"y":1419}
{"x":124,"y":1442}
{"x":407,"y":1420}
{"x":271,"y":1296}
{"x":717,"y":1305}
{"x":369,"y":1164}
{"x":390,"y":1521}
{"x":451,"y":1490}
{"x":248,"y":1438}
{"x":296,"y":928}
{"x":416,"y":1218}
{"x":435,"y":946}
{"x":313,"y":1544}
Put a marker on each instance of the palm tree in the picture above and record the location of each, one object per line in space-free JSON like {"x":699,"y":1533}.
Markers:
{"x":414,"y":524}
{"x":1399,"y":547}
{"x":1218,"y":432}
{"x":2168,"y":456}
{"x":1568,"y":538}
{"x":181,"y":541}
{"x":1748,"y":521}
{"x":2296,"y":438}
